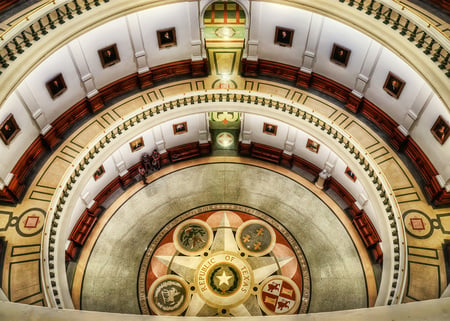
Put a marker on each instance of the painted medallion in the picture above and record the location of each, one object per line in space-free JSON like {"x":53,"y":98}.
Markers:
{"x":225,"y":260}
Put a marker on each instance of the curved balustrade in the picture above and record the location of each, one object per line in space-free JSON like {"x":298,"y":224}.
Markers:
{"x":38,"y":23}
{"x":41,"y":21}
{"x":238,"y":99}
{"x":416,"y":28}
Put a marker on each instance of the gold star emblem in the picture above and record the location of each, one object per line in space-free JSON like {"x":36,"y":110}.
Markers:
{"x":223,"y":279}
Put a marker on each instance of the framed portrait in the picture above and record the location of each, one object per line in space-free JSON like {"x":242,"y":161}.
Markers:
{"x":270,"y":129}
{"x":109,"y":56}
{"x":137,"y":144}
{"x":8,"y":129}
{"x":340,"y":55}
{"x":99,"y":172}
{"x":56,"y":86}
{"x":393,"y":85}
{"x":166,"y":37}
{"x":350,"y":174}
{"x":284,"y":36}
{"x":440,"y":130}
{"x":180,"y":128}
{"x":312,"y":146}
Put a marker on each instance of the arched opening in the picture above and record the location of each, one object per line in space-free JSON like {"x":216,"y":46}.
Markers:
{"x":224,"y":22}
{"x":225,"y":129}
{"x":224,"y":28}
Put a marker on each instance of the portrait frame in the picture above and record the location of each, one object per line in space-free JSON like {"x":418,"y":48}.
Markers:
{"x":340,"y":55}
{"x":109,"y":55}
{"x":56,"y":86}
{"x":440,"y":130}
{"x":9,"y":129}
{"x":99,"y":173}
{"x":166,"y":37}
{"x":393,"y":85}
{"x":312,"y":145}
{"x":270,"y":129}
{"x":283,"y":36}
{"x":180,"y":128}
{"x":137,"y":144}
{"x":350,"y":174}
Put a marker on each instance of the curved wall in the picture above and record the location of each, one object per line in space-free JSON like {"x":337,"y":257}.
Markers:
{"x":58,"y":219}
{"x":415,"y":110}
{"x":135,"y":36}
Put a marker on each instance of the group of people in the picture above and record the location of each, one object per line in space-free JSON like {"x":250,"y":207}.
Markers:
{"x":150,"y":163}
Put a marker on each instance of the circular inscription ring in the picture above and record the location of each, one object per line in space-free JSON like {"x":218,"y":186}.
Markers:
{"x":224,"y":280}
{"x":169,"y":295}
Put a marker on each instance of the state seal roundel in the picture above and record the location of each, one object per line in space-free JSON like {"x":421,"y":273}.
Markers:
{"x":279,"y":295}
{"x":169,"y":295}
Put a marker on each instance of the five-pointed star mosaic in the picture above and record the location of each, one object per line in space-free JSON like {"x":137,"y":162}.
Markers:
{"x":224,"y":251}
{"x":224,"y":278}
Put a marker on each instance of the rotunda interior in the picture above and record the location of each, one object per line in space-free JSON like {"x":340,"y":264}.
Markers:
{"x":224,"y":159}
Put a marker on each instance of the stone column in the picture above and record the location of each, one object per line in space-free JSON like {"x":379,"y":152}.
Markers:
{"x":203,"y":137}
{"x":203,"y":133}
{"x":125,"y":176}
{"x":361,"y":201}
{"x":120,"y":163}
{"x":326,"y":172}
{"x":246,"y":137}
{"x":422,"y":99}
{"x":194,"y":20}
{"x":143,"y":70}
{"x":159,"y":139}
{"x":161,"y":145}
{"x":198,"y":63}
{"x":400,"y":135}
{"x":88,"y":200}
{"x":355,"y":97}
{"x":323,"y":176}
{"x":287,"y":156}
{"x":250,"y":54}
{"x":253,"y":31}
{"x":79,"y":60}
{"x":315,"y":28}
{"x":26,"y":96}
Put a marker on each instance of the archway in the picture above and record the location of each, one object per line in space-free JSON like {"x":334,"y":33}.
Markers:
{"x":224,"y":29}
{"x":225,"y":129}
{"x":224,"y":22}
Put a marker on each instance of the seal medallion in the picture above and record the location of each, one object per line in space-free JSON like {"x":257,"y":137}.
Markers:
{"x":192,"y":237}
{"x":223,"y":260}
{"x":279,"y":295}
{"x":224,"y":280}
{"x":255,"y":237}
{"x":169,"y":295}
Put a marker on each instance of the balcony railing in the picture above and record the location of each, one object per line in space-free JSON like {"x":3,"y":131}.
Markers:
{"x":36,"y":24}
{"x":395,"y":265}
{"x":417,"y":29}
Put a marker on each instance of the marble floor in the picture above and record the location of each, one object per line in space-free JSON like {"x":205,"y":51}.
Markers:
{"x":334,"y":270}
{"x":427,"y":227}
